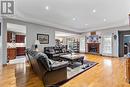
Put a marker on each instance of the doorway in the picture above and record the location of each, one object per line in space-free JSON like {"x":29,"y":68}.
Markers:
{"x":124,"y":43}
{"x":16,"y":43}
{"x":69,"y":40}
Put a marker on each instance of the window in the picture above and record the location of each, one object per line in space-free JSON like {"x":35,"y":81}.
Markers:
{"x":82,"y":44}
{"x":107,"y":45}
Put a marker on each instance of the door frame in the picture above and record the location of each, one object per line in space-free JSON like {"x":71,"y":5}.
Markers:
{"x":121,"y":41}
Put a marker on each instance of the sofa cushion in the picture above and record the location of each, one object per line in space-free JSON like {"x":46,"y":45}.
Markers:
{"x":58,"y":65}
{"x":51,"y":50}
{"x":44,"y":60}
{"x":56,"y":55}
{"x":57,"y":51}
{"x":41,"y":57}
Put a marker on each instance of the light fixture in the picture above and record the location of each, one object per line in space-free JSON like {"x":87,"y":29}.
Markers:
{"x":115,"y":37}
{"x":94,"y":11}
{"x":104,"y":20}
{"x":36,"y":44}
{"x":47,"y":7}
{"x":74,"y":19}
{"x":86,"y":24}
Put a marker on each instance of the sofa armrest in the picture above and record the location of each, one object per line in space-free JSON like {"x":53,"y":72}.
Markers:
{"x":58,"y":65}
{"x":55,"y":76}
{"x":50,"y":53}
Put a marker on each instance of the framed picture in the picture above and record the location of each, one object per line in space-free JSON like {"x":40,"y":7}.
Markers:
{"x":43,"y":38}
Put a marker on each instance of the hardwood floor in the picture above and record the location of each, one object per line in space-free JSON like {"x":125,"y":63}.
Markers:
{"x":19,"y":75}
{"x":110,"y":72}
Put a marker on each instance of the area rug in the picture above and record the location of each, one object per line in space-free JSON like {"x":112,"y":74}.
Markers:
{"x":75,"y":70}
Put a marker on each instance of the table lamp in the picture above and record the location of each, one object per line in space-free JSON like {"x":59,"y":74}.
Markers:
{"x":36,"y":44}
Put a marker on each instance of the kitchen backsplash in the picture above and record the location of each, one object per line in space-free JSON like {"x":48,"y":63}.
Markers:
{"x":14,"y":45}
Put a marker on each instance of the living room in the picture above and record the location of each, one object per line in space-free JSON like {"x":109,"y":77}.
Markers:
{"x":65,"y":44}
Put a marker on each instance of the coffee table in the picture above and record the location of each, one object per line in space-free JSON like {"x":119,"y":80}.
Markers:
{"x":73,"y":58}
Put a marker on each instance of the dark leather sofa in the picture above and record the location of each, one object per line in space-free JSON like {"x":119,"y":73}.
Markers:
{"x":55,"y":52}
{"x":49,"y":71}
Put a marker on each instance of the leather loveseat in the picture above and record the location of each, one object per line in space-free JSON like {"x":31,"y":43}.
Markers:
{"x":51,"y":72}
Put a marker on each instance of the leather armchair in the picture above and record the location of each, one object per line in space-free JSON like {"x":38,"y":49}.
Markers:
{"x":50,"y":71}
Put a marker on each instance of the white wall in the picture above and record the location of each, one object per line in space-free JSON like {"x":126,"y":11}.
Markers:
{"x":31,"y":35}
{"x":4,"y":41}
{"x":1,"y":43}
{"x":110,"y":31}
{"x":33,"y":30}
{"x":62,"y":39}
{"x":65,"y":38}
{"x":16,"y":28}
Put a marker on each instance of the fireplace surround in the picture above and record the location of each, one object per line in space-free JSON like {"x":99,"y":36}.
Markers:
{"x":93,"y":47}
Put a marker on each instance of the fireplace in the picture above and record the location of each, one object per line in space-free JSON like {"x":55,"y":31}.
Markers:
{"x":93,"y":47}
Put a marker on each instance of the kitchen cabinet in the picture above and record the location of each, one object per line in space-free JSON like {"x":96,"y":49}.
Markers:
{"x":9,"y":37}
{"x":11,"y":53}
{"x":20,"y":38}
{"x":20,"y":51}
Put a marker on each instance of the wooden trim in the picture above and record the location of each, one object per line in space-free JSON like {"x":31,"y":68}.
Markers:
{"x":93,"y":33}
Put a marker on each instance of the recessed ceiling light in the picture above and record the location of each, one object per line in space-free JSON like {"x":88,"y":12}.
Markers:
{"x":86,"y":24}
{"x":74,"y":19}
{"x":104,"y":20}
{"x":94,"y":11}
{"x":47,"y":7}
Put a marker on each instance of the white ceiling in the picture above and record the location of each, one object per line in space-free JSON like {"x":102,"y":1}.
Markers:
{"x":74,"y":15}
{"x":63,"y":34}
